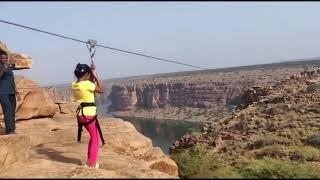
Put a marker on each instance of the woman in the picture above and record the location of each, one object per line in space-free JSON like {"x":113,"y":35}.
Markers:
{"x":83,"y":92}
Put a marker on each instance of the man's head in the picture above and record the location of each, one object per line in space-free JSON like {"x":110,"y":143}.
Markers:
{"x":83,"y":71}
{"x":3,"y":57}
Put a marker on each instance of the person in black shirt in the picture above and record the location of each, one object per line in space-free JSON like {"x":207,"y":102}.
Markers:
{"x":8,"y":93}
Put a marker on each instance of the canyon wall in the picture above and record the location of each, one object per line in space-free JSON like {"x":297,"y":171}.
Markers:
{"x":180,"y":94}
{"x":216,"y":90}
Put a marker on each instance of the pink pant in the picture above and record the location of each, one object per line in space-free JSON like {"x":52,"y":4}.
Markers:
{"x":93,"y":147}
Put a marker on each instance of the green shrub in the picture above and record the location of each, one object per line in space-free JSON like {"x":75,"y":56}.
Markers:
{"x":273,"y":168}
{"x":304,"y":153}
{"x":268,"y":141}
{"x":222,"y":172}
{"x":275,"y":151}
{"x":197,"y":161}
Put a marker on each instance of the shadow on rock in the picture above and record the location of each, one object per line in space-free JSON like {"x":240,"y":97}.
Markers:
{"x":56,"y":156}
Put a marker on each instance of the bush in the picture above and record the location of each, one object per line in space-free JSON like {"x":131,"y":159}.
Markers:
{"x":268,"y":141}
{"x":198,"y":162}
{"x":313,"y":140}
{"x":275,"y":151}
{"x":222,"y":172}
{"x":272,"y":168}
{"x":305,"y":153}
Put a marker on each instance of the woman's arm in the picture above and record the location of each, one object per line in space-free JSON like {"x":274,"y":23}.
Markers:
{"x":99,"y":87}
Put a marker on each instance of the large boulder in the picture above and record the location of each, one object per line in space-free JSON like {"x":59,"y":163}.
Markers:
{"x":34,"y":102}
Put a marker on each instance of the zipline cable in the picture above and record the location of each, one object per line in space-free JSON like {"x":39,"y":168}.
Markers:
{"x":106,"y":47}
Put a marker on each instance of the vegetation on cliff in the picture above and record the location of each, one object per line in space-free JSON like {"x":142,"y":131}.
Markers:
{"x":274,"y":136}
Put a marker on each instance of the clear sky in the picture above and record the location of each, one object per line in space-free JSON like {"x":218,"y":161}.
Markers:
{"x":207,"y":34}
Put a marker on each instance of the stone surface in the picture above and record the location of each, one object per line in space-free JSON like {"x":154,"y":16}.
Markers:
{"x":13,"y":148}
{"x":21,"y":61}
{"x":34,"y":102}
{"x":53,"y":152}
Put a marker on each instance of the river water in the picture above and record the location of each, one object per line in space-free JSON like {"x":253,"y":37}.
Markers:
{"x":163,"y":133}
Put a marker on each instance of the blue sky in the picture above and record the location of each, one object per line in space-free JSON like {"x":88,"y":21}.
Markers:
{"x":207,"y":34}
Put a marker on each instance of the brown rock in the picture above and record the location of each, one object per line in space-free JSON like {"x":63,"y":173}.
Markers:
{"x":13,"y":148}
{"x":34,"y":101}
{"x":56,"y":154}
{"x":21,"y":61}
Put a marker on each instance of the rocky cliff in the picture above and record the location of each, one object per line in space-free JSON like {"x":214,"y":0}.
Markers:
{"x":215,"y":91}
{"x":46,"y":145}
{"x":180,"y":94}
{"x":285,"y":115}
{"x":47,"y":148}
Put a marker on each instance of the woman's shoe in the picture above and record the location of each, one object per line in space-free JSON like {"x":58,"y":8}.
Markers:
{"x":96,"y":166}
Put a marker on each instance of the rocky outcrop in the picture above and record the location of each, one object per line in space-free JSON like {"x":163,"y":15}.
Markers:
{"x":180,"y":94}
{"x":51,"y":150}
{"x":126,"y":140}
{"x":285,"y":113}
{"x":34,"y":102}
{"x":21,"y":61}
{"x":212,"y":89}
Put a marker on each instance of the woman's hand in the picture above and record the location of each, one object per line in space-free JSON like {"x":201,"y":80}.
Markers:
{"x":93,"y":66}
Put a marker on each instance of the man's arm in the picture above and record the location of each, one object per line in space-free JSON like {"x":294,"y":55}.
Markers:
{"x":4,"y":69}
{"x":16,"y":91}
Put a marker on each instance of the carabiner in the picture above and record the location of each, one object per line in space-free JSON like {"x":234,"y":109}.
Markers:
{"x":91,"y":45}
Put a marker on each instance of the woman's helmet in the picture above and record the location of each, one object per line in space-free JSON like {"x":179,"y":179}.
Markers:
{"x":81,"y":69}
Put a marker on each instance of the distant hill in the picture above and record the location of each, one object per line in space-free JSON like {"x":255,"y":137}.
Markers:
{"x":291,"y":63}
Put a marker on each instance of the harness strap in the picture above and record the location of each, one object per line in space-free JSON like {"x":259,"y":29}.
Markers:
{"x":80,"y":124}
{"x":100,"y":132}
{"x":87,"y":104}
